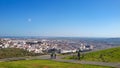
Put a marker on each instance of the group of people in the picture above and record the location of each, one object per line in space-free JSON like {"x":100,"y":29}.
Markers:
{"x":53,"y":56}
{"x":53,"y":53}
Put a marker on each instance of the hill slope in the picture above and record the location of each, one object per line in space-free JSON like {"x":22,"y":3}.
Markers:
{"x":108,"y":55}
{"x":14,"y":52}
{"x":44,"y":64}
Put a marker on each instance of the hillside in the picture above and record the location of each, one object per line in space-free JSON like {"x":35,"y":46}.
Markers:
{"x":108,"y":55}
{"x":14,"y":52}
{"x":44,"y":64}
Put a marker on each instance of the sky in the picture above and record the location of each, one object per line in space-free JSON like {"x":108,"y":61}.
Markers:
{"x":68,"y":18}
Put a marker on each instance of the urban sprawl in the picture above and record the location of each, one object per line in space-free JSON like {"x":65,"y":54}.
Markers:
{"x":45,"y":45}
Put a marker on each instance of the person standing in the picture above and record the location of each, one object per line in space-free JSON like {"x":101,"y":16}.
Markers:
{"x":55,"y":56}
{"x":51,"y":55}
{"x":78,"y":54}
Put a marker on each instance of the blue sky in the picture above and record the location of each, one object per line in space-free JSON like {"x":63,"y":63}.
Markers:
{"x":77,"y":18}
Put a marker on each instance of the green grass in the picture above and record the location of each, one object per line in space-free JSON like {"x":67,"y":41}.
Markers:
{"x":108,"y":55}
{"x":14,"y":52}
{"x":44,"y":64}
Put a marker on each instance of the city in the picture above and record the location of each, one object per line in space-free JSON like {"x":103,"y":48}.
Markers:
{"x":42,"y":45}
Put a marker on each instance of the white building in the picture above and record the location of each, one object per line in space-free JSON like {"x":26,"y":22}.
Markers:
{"x":86,"y":47}
{"x":68,"y":51}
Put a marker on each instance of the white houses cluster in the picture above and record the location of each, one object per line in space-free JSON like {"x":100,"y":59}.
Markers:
{"x":86,"y":47}
{"x":39,"y":46}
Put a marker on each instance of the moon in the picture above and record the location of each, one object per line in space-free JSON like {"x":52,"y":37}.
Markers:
{"x":29,"y":20}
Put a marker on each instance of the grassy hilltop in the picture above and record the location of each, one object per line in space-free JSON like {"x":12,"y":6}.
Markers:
{"x":108,"y":55}
{"x":44,"y":64}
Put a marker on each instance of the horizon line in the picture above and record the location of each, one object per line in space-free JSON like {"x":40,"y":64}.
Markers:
{"x":58,"y":36}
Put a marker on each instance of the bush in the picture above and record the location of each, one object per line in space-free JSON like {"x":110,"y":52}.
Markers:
{"x":14,"y":52}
